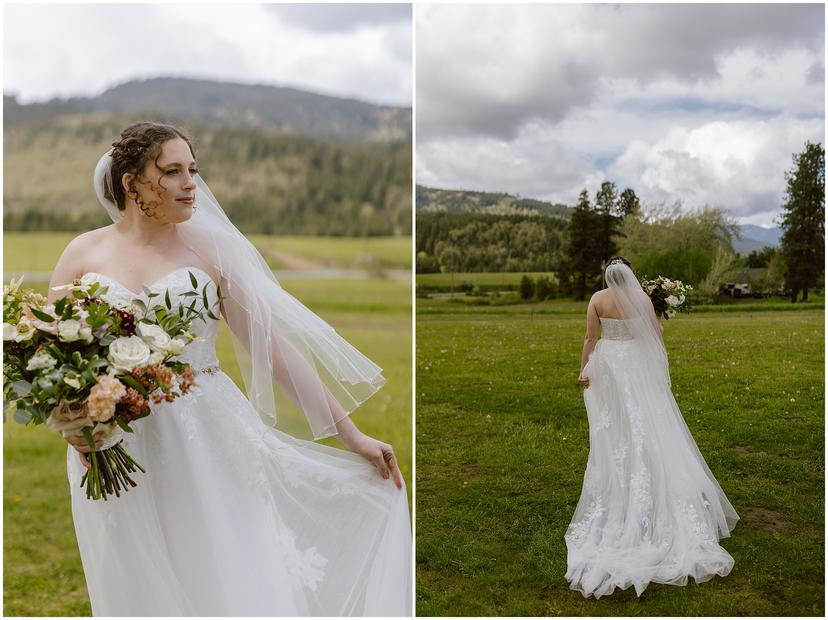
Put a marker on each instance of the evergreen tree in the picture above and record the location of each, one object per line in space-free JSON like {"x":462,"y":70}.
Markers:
{"x":606,"y":200}
{"x":628,"y":203}
{"x":583,"y":255}
{"x":803,"y":221}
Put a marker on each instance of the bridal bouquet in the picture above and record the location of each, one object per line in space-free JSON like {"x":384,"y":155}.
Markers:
{"x":83,"y":365}
{"x":668,"y":296}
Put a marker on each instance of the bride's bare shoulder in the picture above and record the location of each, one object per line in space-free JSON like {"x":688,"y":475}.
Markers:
{"x":76,"y":256}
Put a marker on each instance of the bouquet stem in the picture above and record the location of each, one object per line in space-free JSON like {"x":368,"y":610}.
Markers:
{"x":109,"y":473}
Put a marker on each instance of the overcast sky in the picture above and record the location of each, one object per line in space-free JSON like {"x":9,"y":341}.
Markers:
{"x":703,"y":103}
{"x":352,"y":50}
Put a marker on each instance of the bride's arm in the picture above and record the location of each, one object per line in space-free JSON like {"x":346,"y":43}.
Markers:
{"x":67,"y":269}
{"x":290,"y":367}
{"x":590,"y":339}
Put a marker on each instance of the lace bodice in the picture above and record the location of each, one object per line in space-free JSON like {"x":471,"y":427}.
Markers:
{"x":199,"y":354}
{"x":614,"y":329}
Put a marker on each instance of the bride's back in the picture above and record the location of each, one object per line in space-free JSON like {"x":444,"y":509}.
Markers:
{"x":605,"y":305}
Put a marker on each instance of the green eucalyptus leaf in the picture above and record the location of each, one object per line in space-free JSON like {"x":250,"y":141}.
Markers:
{"x":21,"y":416}
{"x":131,"y":382}
{"x":124,"y":426}
{"x":21,"y":387}
{"x":42,"y":315}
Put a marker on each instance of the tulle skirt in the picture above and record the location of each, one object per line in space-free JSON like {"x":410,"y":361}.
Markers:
{"x":234,"y":518}
{"x":650,"y":509}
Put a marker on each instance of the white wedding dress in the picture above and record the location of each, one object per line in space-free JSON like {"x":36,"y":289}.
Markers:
{"x":650,"y":509}
{"x":234,"y":518}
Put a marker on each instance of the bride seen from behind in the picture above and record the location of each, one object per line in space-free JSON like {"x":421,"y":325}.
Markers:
{"x":239,"y":518}
{"x":650,"y":509}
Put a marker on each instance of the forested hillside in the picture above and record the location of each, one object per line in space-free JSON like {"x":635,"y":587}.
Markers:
{"x":267,"y":182}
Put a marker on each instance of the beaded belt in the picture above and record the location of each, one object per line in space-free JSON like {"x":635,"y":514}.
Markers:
{"x":210,"y":370}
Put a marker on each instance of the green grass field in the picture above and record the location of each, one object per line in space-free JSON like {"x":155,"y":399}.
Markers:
{"x":39,"y":251}
{"x":365,"y":253}
{"x":42,"y":570}
{"x":502,"y":441}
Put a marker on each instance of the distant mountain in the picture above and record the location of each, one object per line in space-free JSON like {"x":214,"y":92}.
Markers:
{"x":431,"y":200}
{"x":233,"y":106}
{"x":755,"y":238}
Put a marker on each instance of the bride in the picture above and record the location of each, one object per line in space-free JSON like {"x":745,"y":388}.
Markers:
{"x":650,"y":509}
{"x":233,"y":517}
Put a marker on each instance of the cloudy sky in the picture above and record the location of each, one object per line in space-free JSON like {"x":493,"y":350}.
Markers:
{"x":358,"y":50}
{"x":699,"y":103}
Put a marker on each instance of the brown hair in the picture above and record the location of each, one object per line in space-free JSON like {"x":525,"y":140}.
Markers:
{"x":619,"y":259}
{"x":139,"y":143}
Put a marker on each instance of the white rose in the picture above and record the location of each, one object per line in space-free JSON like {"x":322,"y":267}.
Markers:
{"x":69,"y":330}
{"x":41,"y":361}
{"x":681,"y":299}
{"x":9,"y":331}
{"x":154,"y":336}
{"x":672,"y":301}
{"x":128,"y":353}
{"x":176,"y":346}
{"x":85,"y":334}
{"x":25,"y":329}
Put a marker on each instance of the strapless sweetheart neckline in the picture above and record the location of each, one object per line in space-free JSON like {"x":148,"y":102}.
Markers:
{"x":158,"y":281}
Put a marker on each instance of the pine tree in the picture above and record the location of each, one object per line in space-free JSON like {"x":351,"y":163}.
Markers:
{"x":583,"y":257}
{"x":803,"y":221}
{"x":628,"y":203}
{"x":606,"y":205}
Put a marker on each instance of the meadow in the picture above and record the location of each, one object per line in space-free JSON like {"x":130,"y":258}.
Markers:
{"x":42,"y":570}
{"x":502,"y":442}
{"x":38,"y":251}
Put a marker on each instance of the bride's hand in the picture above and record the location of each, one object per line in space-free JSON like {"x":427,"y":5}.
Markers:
{"x":82,"y":446}
{"x":584,"y":381}
{"x":380,"y":454}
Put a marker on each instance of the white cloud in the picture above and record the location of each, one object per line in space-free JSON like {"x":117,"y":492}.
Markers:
{"x":70,"y":50}
{"x":534,"y":164}
{"x":738,"y":165}
{"x":703,"y":102}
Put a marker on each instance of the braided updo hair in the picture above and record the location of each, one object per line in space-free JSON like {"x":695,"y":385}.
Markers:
{"x":139,"y":144}
{"x":618,"y":259}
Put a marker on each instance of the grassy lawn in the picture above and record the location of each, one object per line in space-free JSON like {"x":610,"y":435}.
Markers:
{"x":469,"y":304}
{"x":364,"y":253}
{"x":502,"y":442}
{"x":39,"y":251}
{"x":42,"y":570}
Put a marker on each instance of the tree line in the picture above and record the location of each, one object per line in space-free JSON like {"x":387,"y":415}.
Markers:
{"x":267,"y":183}
{"x":476,"y":242}
{"x":693,"y":246}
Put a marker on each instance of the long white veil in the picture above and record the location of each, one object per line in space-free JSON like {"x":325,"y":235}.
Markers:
{"x":278,"y":340}
{"x":637,"y":309}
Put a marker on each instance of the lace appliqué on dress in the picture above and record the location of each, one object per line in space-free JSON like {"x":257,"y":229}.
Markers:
{"x":577,"y":532}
